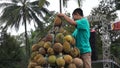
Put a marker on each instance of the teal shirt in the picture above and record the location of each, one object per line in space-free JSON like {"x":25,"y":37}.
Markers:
{"x":82,"y":35}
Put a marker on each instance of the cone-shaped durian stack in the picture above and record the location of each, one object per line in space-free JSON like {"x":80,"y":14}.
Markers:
{"x":56,"y":50}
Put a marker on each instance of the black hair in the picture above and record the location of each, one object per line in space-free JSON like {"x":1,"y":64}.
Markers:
{"x":79,"y":11}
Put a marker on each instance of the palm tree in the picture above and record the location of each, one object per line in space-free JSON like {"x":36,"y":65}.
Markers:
{"x":11,"y":51}
{"x":65,"y":3}
{"x":17,"y":12}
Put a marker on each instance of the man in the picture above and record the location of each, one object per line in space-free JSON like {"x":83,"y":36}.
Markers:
{"x":81,"y":35}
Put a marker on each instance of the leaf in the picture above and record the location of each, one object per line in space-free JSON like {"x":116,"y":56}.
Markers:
{"x":41,"y":3}
{"x":65,"y":3}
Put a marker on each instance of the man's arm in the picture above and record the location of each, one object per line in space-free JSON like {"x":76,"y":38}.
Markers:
{"x":71,"y":21}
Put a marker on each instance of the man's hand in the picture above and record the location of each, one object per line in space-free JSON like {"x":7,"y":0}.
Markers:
{"x":61,"y":15}
{"x":72,"y":22}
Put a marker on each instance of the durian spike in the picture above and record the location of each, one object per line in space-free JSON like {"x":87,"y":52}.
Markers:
{"x":61,"y":54}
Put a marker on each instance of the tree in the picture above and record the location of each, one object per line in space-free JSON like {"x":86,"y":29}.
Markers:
{"x":117,"y":4}
{"x":17,"y":12}
{"x":37,"y":34}
{"x":106,"y":7}
{"x":78,"y":1}
{"x":65,"y":3}
{"x":11,"y":54}
{"x":115,"y":50}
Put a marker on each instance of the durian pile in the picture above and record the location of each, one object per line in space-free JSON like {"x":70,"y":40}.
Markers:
{"x":56,"y":50}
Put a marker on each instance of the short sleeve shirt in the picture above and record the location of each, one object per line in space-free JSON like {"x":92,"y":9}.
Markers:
{"x":82,"y":35}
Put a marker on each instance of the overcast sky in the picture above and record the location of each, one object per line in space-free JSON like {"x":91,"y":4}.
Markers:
{"x":54,"y":6}
{"x":87,"y":6}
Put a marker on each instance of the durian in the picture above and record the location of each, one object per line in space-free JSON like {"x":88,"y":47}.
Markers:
{"x":57,"y":21}
{"x":34,"y":54}
{"x":66,"y":47}
{"x":60,"y":62}
{"x":38,"y":67}
{"x":41,"y":43}
{"x":75,"y":52}
{"x":78,"y":62}
{"x":41,"y":61}
{"x":52,"y":59}
{"x":35,"y":47}
{"x":68,"y":38}
{"x":47,"y":45}
{"x":68,"y":59}
{"x":32,"y":64}
{"x":59,"y":37}
{"x":58,"y":47}
{"x":49,"y":37}
{"x":72,"y":65}
{"x":42,"y":51}
{"x":50,"y":51}
{"x":37,"y":57}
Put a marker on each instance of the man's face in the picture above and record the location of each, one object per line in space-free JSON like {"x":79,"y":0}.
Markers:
{"x":76,"y":16}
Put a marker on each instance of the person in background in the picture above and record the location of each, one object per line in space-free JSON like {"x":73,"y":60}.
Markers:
{"x":81,"y":34}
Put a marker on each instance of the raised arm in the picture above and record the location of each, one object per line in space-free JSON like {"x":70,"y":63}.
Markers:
{"x":68,"y":19}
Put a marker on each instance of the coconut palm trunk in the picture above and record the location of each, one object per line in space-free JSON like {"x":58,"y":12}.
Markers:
{"x":60,"y":6}
{"x":27,"y":47}
{"x":17,"y":12}
{"x":26,"y":38}
{"x":64,"y":3}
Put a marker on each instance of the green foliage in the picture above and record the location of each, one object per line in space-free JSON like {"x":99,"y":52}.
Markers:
{"x":19,"y":12}
{"x":79,"y":2}
{"x":35,"y":35}
{"x":105,"y":7}
{"x":11,"y":54}
{"x":41,"y":3}
{"x":13,"y":14}
{"x":117,"y":4}
{"x":115,"y":49}
{"x":64,"y":3}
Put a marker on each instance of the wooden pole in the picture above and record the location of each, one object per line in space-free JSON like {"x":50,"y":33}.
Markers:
{"x":60,"y":6}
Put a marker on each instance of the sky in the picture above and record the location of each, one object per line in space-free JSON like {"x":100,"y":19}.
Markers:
{"x":54,"y":6}
{"x":87,"y":6}
{"x":72,"y":4}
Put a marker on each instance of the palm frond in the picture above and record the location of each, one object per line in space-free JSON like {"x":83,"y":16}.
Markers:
{"x":45,"y":10}
{"x":28,"y":15}
{"x":2,"y":5}
{"x":41,"y":3}
{"x":33,"y":4}
{"x":79,"y":3}
{"x":47,"y":3}
{"x":36,"y":19}
{"x":11,"y":15}
{"x":16,"y":1}
{"x":17,"y":21}
{"x":6,"y":14}
{"x":65,"y":3}
{"x":36,"y":3}
{"x":36,"y":9}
